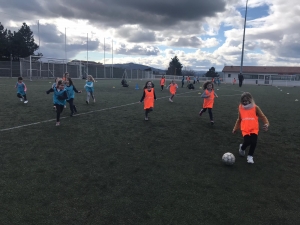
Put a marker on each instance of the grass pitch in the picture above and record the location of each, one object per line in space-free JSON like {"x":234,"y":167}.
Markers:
{"x":108,"y":166}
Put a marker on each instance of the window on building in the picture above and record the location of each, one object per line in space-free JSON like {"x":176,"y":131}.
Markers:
{"x":229,"y":75}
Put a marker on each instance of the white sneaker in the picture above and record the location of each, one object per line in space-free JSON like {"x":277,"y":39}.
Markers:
{"x":242,"y":152}
{"x":170,"y":100}
{"x":21,"y":99}
{"x":146,"y":118}
{"x":250,"y":159}
{"x":26,"y":102}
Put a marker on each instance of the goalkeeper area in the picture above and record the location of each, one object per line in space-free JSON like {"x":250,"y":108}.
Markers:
{"x":107,"y":165}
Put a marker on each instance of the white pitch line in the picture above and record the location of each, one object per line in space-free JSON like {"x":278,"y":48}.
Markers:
{"x":98,"y":110}
{"x":200,"y":96}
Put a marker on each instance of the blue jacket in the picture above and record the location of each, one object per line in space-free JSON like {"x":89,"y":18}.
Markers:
{"x":60,"y":96}
{"x":89,"y":86}
{"x":21,"y":88}
{"x":71,"y":91}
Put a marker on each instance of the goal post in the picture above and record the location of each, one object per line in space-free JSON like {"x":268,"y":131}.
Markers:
{"x":37,"y":67}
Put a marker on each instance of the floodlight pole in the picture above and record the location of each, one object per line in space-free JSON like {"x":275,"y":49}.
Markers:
{"x":104,"y":59}
{"x":39,"y":47}
{"x":242,"y":58}
{"x":87,"y":54}
{"x":66,"y":50}
{"x":30,"y":68}
{"x":10,"y":65}
{"x":112,"y":58}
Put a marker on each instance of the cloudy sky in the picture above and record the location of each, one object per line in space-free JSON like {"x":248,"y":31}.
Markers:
{"x":201,"y":33}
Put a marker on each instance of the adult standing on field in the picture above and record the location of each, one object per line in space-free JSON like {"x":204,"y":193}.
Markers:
{"x":241,"y":79}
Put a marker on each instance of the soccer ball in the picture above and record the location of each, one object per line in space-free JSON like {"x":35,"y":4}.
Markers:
{"x":228,"y":159}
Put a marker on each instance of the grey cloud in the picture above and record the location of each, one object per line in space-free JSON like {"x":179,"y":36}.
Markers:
{"x":155,"y":14}
{"x":187,"y":42}
{"x":289,"y":50}
{"x":137,"y":36}
{"x":54,"y":50}
{"x":48,"y":34}
{"x":137,"y":50}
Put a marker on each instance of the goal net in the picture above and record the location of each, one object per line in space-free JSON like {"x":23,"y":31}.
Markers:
{"x":36,"y":67}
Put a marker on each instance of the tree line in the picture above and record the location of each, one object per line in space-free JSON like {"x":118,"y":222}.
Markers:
{"x":15,"y":45}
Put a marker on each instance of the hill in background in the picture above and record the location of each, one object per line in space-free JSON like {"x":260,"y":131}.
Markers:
{"x":134,"y":66}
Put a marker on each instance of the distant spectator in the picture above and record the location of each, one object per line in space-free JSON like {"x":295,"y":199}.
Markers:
{"x":241,"y":79}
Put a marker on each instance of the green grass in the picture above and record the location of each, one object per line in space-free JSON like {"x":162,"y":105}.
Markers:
{"x":110,"y":166}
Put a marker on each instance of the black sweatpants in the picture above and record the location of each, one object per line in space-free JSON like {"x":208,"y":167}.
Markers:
{"x":209,"y":112}
{"x":20,"y":96}
{"x":147,"y":111}
{"x":240,"y":83}
{"x":59,"y":110}
{"x":162,"y":87}
{"x":250,"y":140}
{"x":72,"y":106}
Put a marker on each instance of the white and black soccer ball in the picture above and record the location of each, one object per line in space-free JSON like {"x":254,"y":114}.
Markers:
{"x":228,"y":159}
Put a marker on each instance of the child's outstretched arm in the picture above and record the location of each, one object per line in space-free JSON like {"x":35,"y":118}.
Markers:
{"x":264,"y":119}
{"x":89,"y":85}
{"x":50,"y":90}
{"x":237,"y":124}
{"x":204,"y":95}
{"x":216,"y":95}
{"x":76,"y":91}
{"x":142,"y":99}
{"x":25,"y":88}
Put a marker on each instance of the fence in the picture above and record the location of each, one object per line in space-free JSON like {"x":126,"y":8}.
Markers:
{"x":32,"y":69}
{"x":9,"y":69}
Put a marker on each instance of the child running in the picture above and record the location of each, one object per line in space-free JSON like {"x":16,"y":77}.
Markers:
{"x":65,"y":76}
{"x":148,"y":98}
{"x":173,"y":87}
{"x":51,"y":90}
{"x":89,"y":87}
{"x":209,"y":98}
{"x":21,"y":90}
{"x":60,"y":96}
{"x":162,"y":82}
{"x":71,"y":95}
{"x":247,"y":121}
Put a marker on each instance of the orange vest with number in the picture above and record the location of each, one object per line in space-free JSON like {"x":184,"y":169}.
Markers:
{"x":149,"y":98}
{"x":209,"y":102}
{"x":249,"y":120}
{"x":162,"y":81}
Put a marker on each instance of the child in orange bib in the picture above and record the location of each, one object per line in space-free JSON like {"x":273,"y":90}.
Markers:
{"x":209,"y":99}
{"x":162,"y":82}
{"x":173,"y":87}
{"x":148,"y":98}
{"x":247,"y":121}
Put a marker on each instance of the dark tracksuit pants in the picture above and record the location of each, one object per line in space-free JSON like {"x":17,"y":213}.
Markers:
{"x":250,"y":140}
